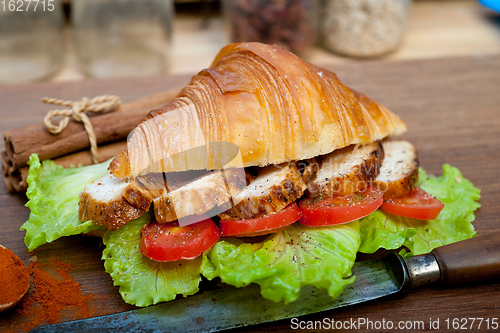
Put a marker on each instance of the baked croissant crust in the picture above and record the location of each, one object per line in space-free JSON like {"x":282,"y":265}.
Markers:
{"x":273,"y":106}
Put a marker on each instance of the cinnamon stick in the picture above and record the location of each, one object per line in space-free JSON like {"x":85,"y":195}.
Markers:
{"x":16,"y":179}
{"x":5,"y":164}
{"x":113,"y":126}
{"x":68,"y":147}
{"x":8,"y":184}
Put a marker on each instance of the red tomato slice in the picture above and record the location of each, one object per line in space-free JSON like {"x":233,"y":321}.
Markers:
{"x":170,"y":242}
{"x":418,"y":204}
{"x":340,"y":209}
{"x":262,"y":225}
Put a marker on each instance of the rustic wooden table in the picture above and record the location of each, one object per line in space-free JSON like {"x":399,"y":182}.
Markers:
{"x":451,"y":107}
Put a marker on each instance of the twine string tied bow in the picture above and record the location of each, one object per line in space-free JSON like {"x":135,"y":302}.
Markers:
{"x":76,"y":110}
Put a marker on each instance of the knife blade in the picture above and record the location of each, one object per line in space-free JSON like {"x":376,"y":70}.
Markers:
{"x":467,"y":261}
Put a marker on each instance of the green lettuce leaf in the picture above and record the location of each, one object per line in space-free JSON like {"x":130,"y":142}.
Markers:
{"x":288,"y":260}
{"x":143,"y":281}
{"x":53,"y":200}
{"x":382,"y":230}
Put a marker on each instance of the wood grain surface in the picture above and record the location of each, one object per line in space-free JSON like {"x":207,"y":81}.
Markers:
{"x":451,"y":107}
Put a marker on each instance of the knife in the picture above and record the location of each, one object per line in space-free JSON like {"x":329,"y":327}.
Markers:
{"x":472,"y":260}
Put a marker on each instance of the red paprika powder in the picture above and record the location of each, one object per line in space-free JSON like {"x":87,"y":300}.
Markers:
{"x":54,"y":291}
{"x":14,"y":278}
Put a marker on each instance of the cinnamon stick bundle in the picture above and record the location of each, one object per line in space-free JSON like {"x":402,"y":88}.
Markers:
{"x":16,"y":179}
{"x":66,"y":148}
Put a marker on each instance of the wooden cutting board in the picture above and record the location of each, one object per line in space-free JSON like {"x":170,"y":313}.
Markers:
{"x":451,"y":107}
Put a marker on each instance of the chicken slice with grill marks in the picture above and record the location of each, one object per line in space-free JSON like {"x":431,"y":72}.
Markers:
{"x":399,"y":171}
{"x":273,"y":189}
{"x":113,"y":202}
{"x":346,"y":171}
{"x":200,"y":195}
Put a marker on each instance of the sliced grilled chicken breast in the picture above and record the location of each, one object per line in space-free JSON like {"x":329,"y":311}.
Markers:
{"x":112,"y":202}
{"x":347,"y":171}
{"x":272,"y":190}
{"x":194,"y":198}
{"x":399,"y":171}
{"x":138,"y":196}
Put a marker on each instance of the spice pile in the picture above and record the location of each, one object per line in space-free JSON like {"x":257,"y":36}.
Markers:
{"x":14,"y":278}
{"x":53,"y":293}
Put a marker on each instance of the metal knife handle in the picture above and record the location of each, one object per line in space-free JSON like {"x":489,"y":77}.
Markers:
{"x":471,"y":260}
{"x":422,"y":270}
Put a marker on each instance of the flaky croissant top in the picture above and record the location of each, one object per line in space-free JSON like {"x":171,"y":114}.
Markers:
{"x":265,"y":101}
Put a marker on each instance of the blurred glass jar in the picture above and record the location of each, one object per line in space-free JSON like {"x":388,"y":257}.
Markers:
{"x":31,"y":40}
{"x":122,"y":37}
{"x":288,"y":23}
{"x":364,"y":28}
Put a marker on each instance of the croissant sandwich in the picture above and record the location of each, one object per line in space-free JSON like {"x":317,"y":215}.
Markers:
{"x":268,"y":102}
{"x":264,"y":169}
{"x":269,"y":108}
